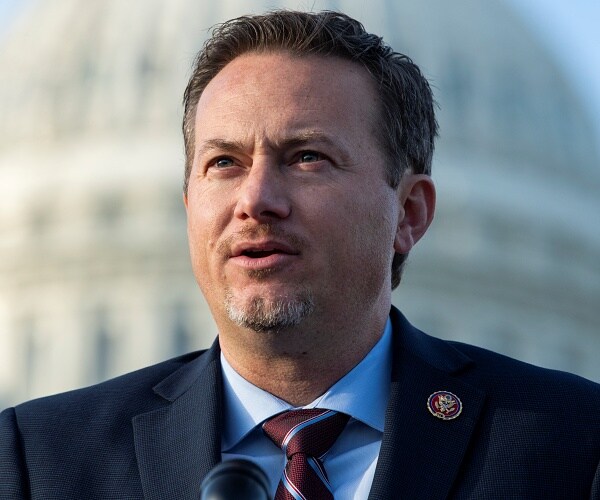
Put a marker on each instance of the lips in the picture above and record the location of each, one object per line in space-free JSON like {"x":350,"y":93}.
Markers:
{"x":257,"y":254}
{"x":263,"y":255}
{"x":257,"y":250}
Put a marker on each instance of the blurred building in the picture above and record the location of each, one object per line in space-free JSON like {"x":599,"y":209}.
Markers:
{"x":94,"y":272}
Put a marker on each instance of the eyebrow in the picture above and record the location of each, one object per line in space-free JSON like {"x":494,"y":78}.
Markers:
{"x":219,"y":144}
{"x":306,"y":137}
{"x":299,"y":139}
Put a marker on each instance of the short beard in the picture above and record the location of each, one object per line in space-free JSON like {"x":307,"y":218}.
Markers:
{"x":263,"y":315}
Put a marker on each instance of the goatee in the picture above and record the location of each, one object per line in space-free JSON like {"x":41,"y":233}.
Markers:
{"x":265,"y":315}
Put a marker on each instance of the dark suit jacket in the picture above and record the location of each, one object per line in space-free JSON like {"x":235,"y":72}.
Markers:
{"x":524,"y":432}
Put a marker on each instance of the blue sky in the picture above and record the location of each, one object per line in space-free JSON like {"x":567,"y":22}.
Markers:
{"x":7,"y":7}
{"x":569,"y":29}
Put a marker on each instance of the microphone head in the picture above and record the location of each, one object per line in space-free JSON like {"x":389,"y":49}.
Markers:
{"x":235,"y":479}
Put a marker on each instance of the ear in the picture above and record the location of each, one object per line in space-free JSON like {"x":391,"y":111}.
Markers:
{"x":416,"y":196}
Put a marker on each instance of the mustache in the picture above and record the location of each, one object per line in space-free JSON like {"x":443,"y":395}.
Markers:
{"x":257,"y":232}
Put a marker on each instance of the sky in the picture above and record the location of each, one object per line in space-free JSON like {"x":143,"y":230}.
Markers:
{"x":7,"y":8}
{"x":568,"y":28}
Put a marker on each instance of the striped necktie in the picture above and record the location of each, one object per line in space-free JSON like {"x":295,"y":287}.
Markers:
{"x":305,"y":436}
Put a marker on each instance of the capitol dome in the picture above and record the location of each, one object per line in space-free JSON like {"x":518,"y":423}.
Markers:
{"x":95,"y":271}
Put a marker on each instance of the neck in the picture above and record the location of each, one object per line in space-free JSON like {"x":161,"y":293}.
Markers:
{"x":299,"y":364}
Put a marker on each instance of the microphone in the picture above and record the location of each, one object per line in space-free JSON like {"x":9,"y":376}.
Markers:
{"x":235,"y":479}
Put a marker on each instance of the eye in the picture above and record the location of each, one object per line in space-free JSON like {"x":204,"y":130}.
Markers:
{"x":223,"y":162}
{"x":309,"y":156}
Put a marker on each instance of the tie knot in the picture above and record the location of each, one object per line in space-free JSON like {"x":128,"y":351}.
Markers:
{"x":311,"y":432}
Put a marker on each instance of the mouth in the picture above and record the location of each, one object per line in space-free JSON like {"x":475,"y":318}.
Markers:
{"x":254,"y":250}
{"x":258,"y":254}
{"x":262,"y":254}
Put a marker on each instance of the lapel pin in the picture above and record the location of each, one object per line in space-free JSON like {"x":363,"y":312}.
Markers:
{"x":444,"y":405}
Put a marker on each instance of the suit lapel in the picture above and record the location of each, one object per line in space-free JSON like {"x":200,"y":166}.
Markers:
{"x":179,"y":443}
{"x":420,"y":454}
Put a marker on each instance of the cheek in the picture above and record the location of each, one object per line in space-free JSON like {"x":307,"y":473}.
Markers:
{"x":207,"y":209}
{"x":206,"y":223}
{"x":373,"y":228}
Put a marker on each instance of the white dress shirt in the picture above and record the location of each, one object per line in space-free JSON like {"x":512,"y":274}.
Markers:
{"x":350,"y":463}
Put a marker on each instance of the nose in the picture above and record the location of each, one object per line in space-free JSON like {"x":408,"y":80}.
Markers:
{"x":263,"y":194}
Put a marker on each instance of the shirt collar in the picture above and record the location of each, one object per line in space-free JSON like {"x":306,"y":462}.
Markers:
{"x":362,"y":393}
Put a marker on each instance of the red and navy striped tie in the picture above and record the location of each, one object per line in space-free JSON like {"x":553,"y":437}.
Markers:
{"x":305,"y":436}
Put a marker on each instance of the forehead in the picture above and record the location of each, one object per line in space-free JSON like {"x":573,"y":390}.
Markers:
{"x":254,"y":67}
{"x":313,"y":87}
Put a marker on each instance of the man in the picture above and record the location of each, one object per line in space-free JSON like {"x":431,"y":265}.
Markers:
{"x":308,"y":153}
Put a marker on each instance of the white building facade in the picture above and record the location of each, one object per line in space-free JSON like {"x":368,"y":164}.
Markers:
{"x":94,"y":272}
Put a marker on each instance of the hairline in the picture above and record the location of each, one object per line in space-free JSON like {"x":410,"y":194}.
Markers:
{"x":377,"y":131}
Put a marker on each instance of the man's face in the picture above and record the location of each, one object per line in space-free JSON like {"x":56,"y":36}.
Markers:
{"x":290,"y":217}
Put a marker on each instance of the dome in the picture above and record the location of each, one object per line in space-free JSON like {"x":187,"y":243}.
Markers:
{"x":94,"y":259}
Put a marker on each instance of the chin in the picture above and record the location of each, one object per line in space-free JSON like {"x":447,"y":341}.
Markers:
{"x":264,"y":314}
